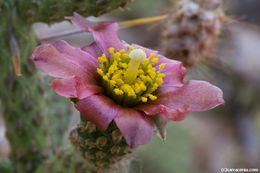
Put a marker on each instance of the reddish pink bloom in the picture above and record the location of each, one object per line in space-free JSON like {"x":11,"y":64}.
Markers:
{"x":88,"y":75}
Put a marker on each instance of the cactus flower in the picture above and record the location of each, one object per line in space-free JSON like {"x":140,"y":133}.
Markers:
{"x":128,"y":84}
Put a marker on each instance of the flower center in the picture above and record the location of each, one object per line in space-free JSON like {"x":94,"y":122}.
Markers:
{"x":130,"y":78}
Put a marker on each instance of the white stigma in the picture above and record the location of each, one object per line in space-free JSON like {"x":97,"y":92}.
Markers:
{"x":137,"y":55}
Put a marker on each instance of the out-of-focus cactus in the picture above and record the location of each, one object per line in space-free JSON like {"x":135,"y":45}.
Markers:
{"x":101,"y":149}
{"x":22,"y":97}
{"x":50,"y":11}
{"x":65,"y":160}
{"x":192,"y":31}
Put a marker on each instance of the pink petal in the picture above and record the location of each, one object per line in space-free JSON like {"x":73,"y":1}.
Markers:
{"x":98,"y":109}
{"x":105,"y":33}
{"x":173,"y":70}
{"x":134,"y":127}
{"x":164,"y":60}
{"x":175,"y":104}
{"x":85,"y":57}
{"x":152,"y":108}
{"x":75,"y":87}
{"x":54,"y":60}
{"x":177,"y":114}
{"x":93,"y":49}
{"x":174,"y":74}
{"x":155,"y":108}
{"x":199,"y":95}
{"x":192,"y":97}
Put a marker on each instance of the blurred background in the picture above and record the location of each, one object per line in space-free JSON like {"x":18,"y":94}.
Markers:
{"x":225,"y":137}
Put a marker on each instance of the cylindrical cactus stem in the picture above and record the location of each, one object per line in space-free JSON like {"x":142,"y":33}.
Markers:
{"x":192,"y":31}
{"x":50,"y":11}
{"x":101,"y":149}
{"x":65,"y":160}
{"x":24,"y":107}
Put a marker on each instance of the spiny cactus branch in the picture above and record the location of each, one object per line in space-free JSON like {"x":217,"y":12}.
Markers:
{"x":101,"y":149}
{"x":50,"y":11}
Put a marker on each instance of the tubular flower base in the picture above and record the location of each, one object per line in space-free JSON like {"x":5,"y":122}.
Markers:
{"x":120,"y":88}
{"x":192,"y":32}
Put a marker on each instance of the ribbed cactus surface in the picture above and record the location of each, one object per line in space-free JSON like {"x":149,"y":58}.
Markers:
{"x":50,"y":11}
{"x":23,"y":103}
{"x":65,"y":160}
{"x":101,"y":149}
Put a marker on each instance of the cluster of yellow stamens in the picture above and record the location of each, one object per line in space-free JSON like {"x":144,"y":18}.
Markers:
{"x":130,"y":78}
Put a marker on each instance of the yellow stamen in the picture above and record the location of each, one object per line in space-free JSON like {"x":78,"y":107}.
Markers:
{"x":122,"y":51}
{"x":118,"y":91}
{"x":154,"y":61}
{"x":144,"y":99}
{"x":112,"y":82}
{"x":152,"y":56}
{"x":161,"y":66}
{"x":100,"y":72}
{"x":105,"y":78}
{"x":161,"y":75}
{"x":152,"y":97}
{"x":102,"y":59}
{"x":146,"y":61}
{"x":131,"y":48}
{"x":130,"y":78}
{"x":111,"y":50}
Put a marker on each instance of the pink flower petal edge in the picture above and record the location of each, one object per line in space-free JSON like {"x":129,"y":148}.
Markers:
{"x":93,"y":49}
{"x":105,"y":33}
{"x":98,"y":109}
{"x":134,"y":127}
{"x":82,"y":56}
{"x":198,"y":95}
{"x":176,"y":104}
{"x":75,"y":87}
{"x":61,"y":60}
